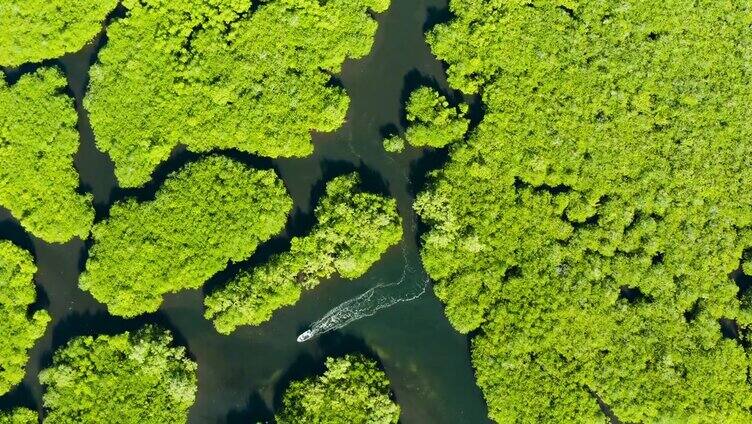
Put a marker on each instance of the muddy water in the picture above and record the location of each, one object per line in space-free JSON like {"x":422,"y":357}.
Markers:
{"x":242,"y":376}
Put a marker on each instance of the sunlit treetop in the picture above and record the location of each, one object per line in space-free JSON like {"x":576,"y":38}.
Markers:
{"x":208,"y":213}
{"x":354,"y":229}
{"x":587,"y":229}
{"x":19,"y":416}
{"x":432,"y":121}
{"x":35,"y":30}
{"x":394,"y":144}
{"x":223,"y":74}
{"x":129,"y":378}
{"x":38,"y":139}
{"x":353,"y":390}
{"x":20,"y":329}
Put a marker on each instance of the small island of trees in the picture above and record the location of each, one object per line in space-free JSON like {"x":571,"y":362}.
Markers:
{"x":353,"y":390}
{"x":38,"y":138}
{"x":432,"y":122}
{"x":130,"y":378}
{"x":19,"y":328}
{"x":208,"y":213}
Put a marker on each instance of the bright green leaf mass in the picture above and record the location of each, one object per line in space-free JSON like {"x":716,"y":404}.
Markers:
{"x":587,"y":230}
{"x":394,"y":144}
{"x":353,"y":230}
{"x":19,"y":416}
{"x":432,"y":122}
{"x":129,"y":378}
{"x":353,"y":390}
{"x":19,"y":329}
{"x":34,"y":30}
{"x":215,"y":74}
{"x":38,"y":139}
{"x":208,"y":213}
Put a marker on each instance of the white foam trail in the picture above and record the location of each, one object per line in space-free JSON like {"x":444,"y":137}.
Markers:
{"x":366,"y":305}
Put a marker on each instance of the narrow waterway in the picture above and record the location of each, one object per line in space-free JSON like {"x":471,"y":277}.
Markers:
{"x":242,"y":376}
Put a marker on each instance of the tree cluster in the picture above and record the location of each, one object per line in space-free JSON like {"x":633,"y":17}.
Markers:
{"x":208,"y":213}
{"x":353,"y":390}
{"x":38,"y":139}
{"x":354,"y":228}
{"x":586,"y":231}
{"x":20,"y":329}
{"x":394,"y":144}
{"x":35,"y":30}
{"x":432,"y":121}
{"x":19,"y":416}
{"x":129,"y":378}
{"x":217,"y":74}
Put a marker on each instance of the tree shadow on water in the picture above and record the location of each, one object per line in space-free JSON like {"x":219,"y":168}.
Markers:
{"x":437,"y":16}
{"x":255,"y":411}
{"x":11,"y":230}
{"x":20,"y":396}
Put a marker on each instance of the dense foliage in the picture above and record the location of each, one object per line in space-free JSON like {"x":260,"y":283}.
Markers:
{"x":19,"y":329}
{"x":38,"y":139}
{"x":215,"y":74}
{"x":210,"y":212}
{"x":128,"y":378}
{"x":34,"y":30}
{"x":394,"y":144}
{"x":586,"y":231}
{"x":353,"y":390}
{"x":353,"y":229}
{"x":19,"y":416}
{"x":432,"y":122}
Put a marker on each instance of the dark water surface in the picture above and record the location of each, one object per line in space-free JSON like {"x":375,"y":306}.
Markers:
{"x":242,"y":376}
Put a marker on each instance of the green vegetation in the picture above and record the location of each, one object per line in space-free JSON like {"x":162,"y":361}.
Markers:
{"x":433,"y":123}
{"x":354,"y":229}
{"x":213,"y":74}
{"x":353,"y":390}
{"x":127,"y":378}
{"x":19,"y":416}
{"x":20,"y":329}
{"x":210,"y":212}
{"x":587,"y":230}
{"x":394,"y":144}
{"x":34,"y":30}
{"x":38,"y":139}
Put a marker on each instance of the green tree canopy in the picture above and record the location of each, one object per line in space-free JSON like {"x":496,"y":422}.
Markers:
{"x":587,"y":230}
{"x":215,"y":74}
{"x":128,"y":378}
{"x":210,"y":212}
{"x":432,"y":122}
{"x":394,"y":144}
{"x":353,"y":390}
{"x":34,"y":30}
{"x":19,"y":416}
{"x":353,"y":229}
{"x":38,"y":139}
{"x":19,"y":330}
